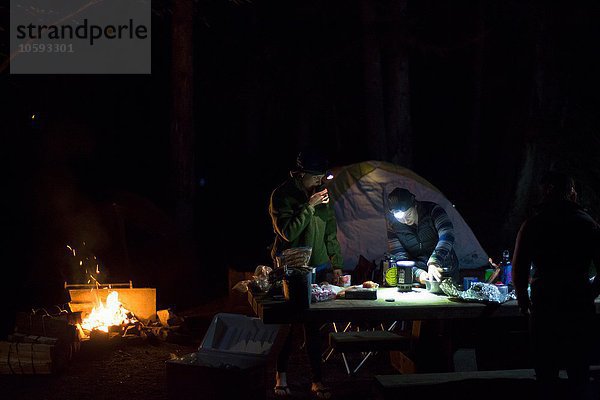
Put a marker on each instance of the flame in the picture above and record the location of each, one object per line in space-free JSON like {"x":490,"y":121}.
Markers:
{"x":108,"y":314}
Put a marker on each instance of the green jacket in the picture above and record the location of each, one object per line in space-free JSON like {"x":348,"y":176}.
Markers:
{"x":298,"y":224}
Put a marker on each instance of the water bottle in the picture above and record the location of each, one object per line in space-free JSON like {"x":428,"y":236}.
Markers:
{"x":506,"y":268}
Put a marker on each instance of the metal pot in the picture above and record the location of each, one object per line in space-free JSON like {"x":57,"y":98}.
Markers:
{"x":433,"y":286}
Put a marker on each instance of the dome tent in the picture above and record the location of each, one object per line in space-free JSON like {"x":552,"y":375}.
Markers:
{"x":359,"y":197}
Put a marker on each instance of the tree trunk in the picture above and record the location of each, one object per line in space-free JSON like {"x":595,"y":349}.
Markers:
{"x":397,"y":92}
{"x":182,"y":124}
{"x":546,"y":142}
{"x":474,"y":137}
{"x":374,"y":118}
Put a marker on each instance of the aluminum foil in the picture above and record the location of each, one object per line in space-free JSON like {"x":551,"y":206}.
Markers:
{"x":479,"y":291}
{"x":449,"y":288}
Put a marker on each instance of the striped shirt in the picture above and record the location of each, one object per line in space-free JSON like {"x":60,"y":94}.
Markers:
{"x":431,"y":241}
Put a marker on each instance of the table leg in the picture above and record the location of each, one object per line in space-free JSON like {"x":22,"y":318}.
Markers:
{"x":404,"y":361}
{"x":431,"y":348}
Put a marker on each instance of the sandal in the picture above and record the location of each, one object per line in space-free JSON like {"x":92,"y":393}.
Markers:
{"x":282,"y":391}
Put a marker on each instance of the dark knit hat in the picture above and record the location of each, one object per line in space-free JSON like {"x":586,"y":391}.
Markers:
{"x":312,"y":161}
{"x":401,"y":199}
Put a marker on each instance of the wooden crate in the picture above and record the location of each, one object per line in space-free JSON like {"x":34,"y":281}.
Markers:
{"x":45,"y":325}
{"x":31,"y":358}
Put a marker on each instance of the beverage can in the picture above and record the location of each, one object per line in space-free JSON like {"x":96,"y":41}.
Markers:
{"x":345,"y":280}
{"x":389,"y":273}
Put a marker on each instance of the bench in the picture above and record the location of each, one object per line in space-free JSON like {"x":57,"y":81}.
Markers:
{"x":498,"y":384}
{"x":366,"y":341}
{"x":463,"y":384}
{"x":348,"y":342}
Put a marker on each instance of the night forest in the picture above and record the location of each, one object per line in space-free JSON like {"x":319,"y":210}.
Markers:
{"x":166,"y":177}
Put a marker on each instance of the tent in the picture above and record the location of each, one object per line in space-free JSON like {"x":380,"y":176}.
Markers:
{"x":359,"y":197}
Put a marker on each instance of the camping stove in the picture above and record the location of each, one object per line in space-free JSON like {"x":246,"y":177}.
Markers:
{"x":405,"y":276}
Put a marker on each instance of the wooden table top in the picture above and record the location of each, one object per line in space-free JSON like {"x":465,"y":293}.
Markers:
{"x":416,"y":305}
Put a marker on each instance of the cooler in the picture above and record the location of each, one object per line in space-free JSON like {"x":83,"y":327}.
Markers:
{"x":230,"y":362}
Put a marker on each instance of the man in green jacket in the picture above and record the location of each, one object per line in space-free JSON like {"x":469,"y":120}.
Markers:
{"x":302,"y":217}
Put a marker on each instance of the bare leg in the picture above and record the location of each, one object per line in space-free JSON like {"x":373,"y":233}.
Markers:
{"x":281,"y":386}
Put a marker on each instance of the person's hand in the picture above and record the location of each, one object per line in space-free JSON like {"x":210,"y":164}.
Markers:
{"x":321,"y":197}
{"x":524,"y":304}
{"x":423,"y":276}
{"x":434,"y":272}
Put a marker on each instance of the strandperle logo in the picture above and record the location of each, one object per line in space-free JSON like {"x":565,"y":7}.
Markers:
{"x":80,"y":37}
{"x":83,"y":31}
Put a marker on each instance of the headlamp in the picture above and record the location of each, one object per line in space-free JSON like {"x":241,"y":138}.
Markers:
{"x":399,"y":214}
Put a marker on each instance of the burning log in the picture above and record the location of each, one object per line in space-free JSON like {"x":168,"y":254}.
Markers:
{"x":98,"y":335}
{"x":109,"y":320}
{"x":111,"y":313}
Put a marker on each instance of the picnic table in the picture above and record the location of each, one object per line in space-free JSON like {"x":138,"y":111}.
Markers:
{"x":419,"y":307}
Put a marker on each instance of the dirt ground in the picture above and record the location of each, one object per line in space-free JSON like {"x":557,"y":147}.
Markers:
{"x":128,"y":370}
{"x":136,"y":369}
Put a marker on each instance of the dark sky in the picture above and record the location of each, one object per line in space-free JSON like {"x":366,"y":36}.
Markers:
{"x":269,"y":78}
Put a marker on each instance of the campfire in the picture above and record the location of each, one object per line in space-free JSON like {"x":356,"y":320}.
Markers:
{"x":46,"y":339}
{"x":108,"y":309}
{"x":109,"y":314}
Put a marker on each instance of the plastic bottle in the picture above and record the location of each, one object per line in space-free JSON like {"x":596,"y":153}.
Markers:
{"x":506,"y":268}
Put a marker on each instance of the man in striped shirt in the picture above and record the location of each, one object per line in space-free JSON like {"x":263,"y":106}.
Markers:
{"x":421,"y":231}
